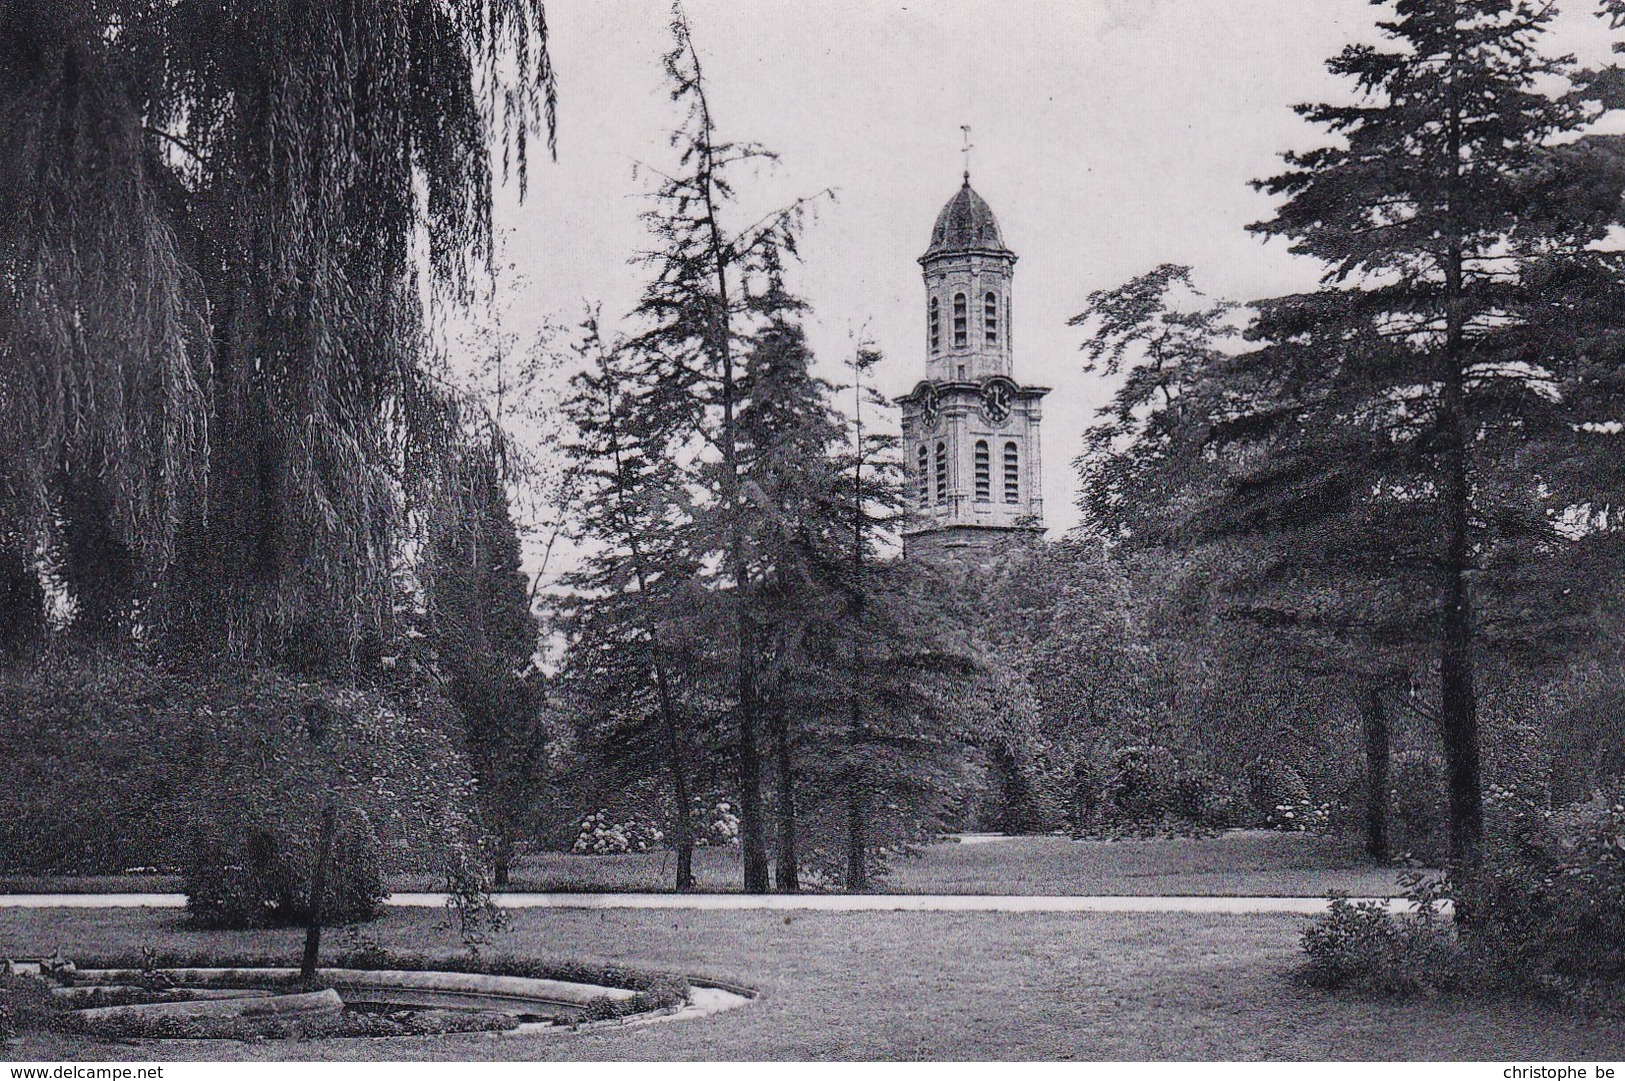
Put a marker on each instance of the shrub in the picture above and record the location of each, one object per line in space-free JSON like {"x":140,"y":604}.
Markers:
{"x":1549,"y":905}
{"x":717,"y":824}
{"x":1360,"y":945}
{"x":1141,"y":784}
{"x":603,"y":834}
{"x":1276,"y":793}
{"x":92,"y":775}
{"x":1300,"y":817}
{"x":1202,"y":797}
{"x":254,"y":871}
{"x":25,"y":1005}
{"x":1083,"y":797}
{"x":346,"y":1025}
{"x":1546,"y":912}
{"x":1418,"y":822}
{"x":113,"y":762}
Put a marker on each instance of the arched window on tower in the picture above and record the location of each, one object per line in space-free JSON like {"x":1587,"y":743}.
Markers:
{"x":984,"y":473}
{"x":1012,"y":473}
{"x":990,"y":318}
{"x":960,"y":315}
{"x":942,"y":472}
{"x":923,"y":480}
{"x":936,"y":326}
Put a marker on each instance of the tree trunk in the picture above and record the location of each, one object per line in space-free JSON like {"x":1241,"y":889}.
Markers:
{"x":788,"y":869}
{"x":318,"y":893}
{"x":1459,"y":718}
{"x":750,"y":770}
{"x":720,"y":346}
{"x":683,"y":819}
{"x":22,"y":598}
{"x":857,"y":839}
{"x":503,"y":863}
{"x":1458,"y":709}
{"x":1374,"y":719}
{"x":676,"y":758}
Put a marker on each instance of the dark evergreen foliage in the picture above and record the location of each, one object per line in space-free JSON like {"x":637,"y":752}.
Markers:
{"x":1411,"y":462}
{"x":485,"y":638}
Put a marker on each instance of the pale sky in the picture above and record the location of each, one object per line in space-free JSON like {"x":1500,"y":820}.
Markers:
{"x":1110,"y":136}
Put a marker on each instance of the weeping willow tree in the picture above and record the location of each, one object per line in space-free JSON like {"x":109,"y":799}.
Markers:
{"x":103,"y":344}
{"x":220,"y":235}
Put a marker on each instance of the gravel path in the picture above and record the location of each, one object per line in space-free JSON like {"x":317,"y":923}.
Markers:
{"x":827,"y":902}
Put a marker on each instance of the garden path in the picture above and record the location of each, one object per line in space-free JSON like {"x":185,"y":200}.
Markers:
{"x":827,"y":902}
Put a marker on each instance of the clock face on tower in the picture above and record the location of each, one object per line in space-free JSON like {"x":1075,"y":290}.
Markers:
{"x":997,"y":394}
{"x":930,"y":405}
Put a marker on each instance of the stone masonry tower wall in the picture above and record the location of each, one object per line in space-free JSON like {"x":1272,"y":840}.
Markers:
{"x":970,"y":432}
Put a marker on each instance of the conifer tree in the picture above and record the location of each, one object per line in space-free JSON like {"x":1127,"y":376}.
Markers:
{"x":485,"y":639}
{"x":1397,"y":453}
{"x":788,"y":432}
{"x":700,"y":307}
{"x":625,"y":656}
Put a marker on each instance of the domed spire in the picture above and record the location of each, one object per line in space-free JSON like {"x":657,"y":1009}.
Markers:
{"x":966,"y":224}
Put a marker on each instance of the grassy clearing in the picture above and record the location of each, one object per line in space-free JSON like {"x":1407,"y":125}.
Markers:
{"x":1242,"y":863}
{"x":1236,"y":864}
{"x":133,"y":883}
{"x":901,"y":985}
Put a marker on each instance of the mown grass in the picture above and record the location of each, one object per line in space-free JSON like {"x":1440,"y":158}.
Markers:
{"x":859,"y":985}
{"x":1240,"y":863}
{"x":1235,"y":864}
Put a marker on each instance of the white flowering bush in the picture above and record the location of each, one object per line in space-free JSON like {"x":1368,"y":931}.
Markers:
{"x":1300,"y":816}
{"x":716,"y":824}
{"x":1278,"y":794}
{"x":603,"y":834}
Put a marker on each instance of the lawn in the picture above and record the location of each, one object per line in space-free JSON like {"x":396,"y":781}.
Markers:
{"x":901,"y":985}
{"x":1241,"y":863}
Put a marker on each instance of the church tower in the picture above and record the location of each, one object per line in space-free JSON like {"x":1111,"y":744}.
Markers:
{"x":970,"y":431}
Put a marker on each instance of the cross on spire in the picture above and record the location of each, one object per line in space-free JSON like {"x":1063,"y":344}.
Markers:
{"x":966,"y":149}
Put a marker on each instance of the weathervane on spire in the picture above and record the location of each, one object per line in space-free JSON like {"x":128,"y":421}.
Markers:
{"x":965,"y":130}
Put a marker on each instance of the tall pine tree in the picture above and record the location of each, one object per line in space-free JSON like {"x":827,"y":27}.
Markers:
{"x":701,"y":306}
{"x":485,"y":638}
{"x":1415,"y":451}
{"x":627,"y":659}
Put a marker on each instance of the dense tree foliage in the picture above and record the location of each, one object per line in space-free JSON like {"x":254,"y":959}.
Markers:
{"x":211,"y":330}
{"x":485,"y":639}
{"x":632,"y":677}
{"x":1413,"y":458}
